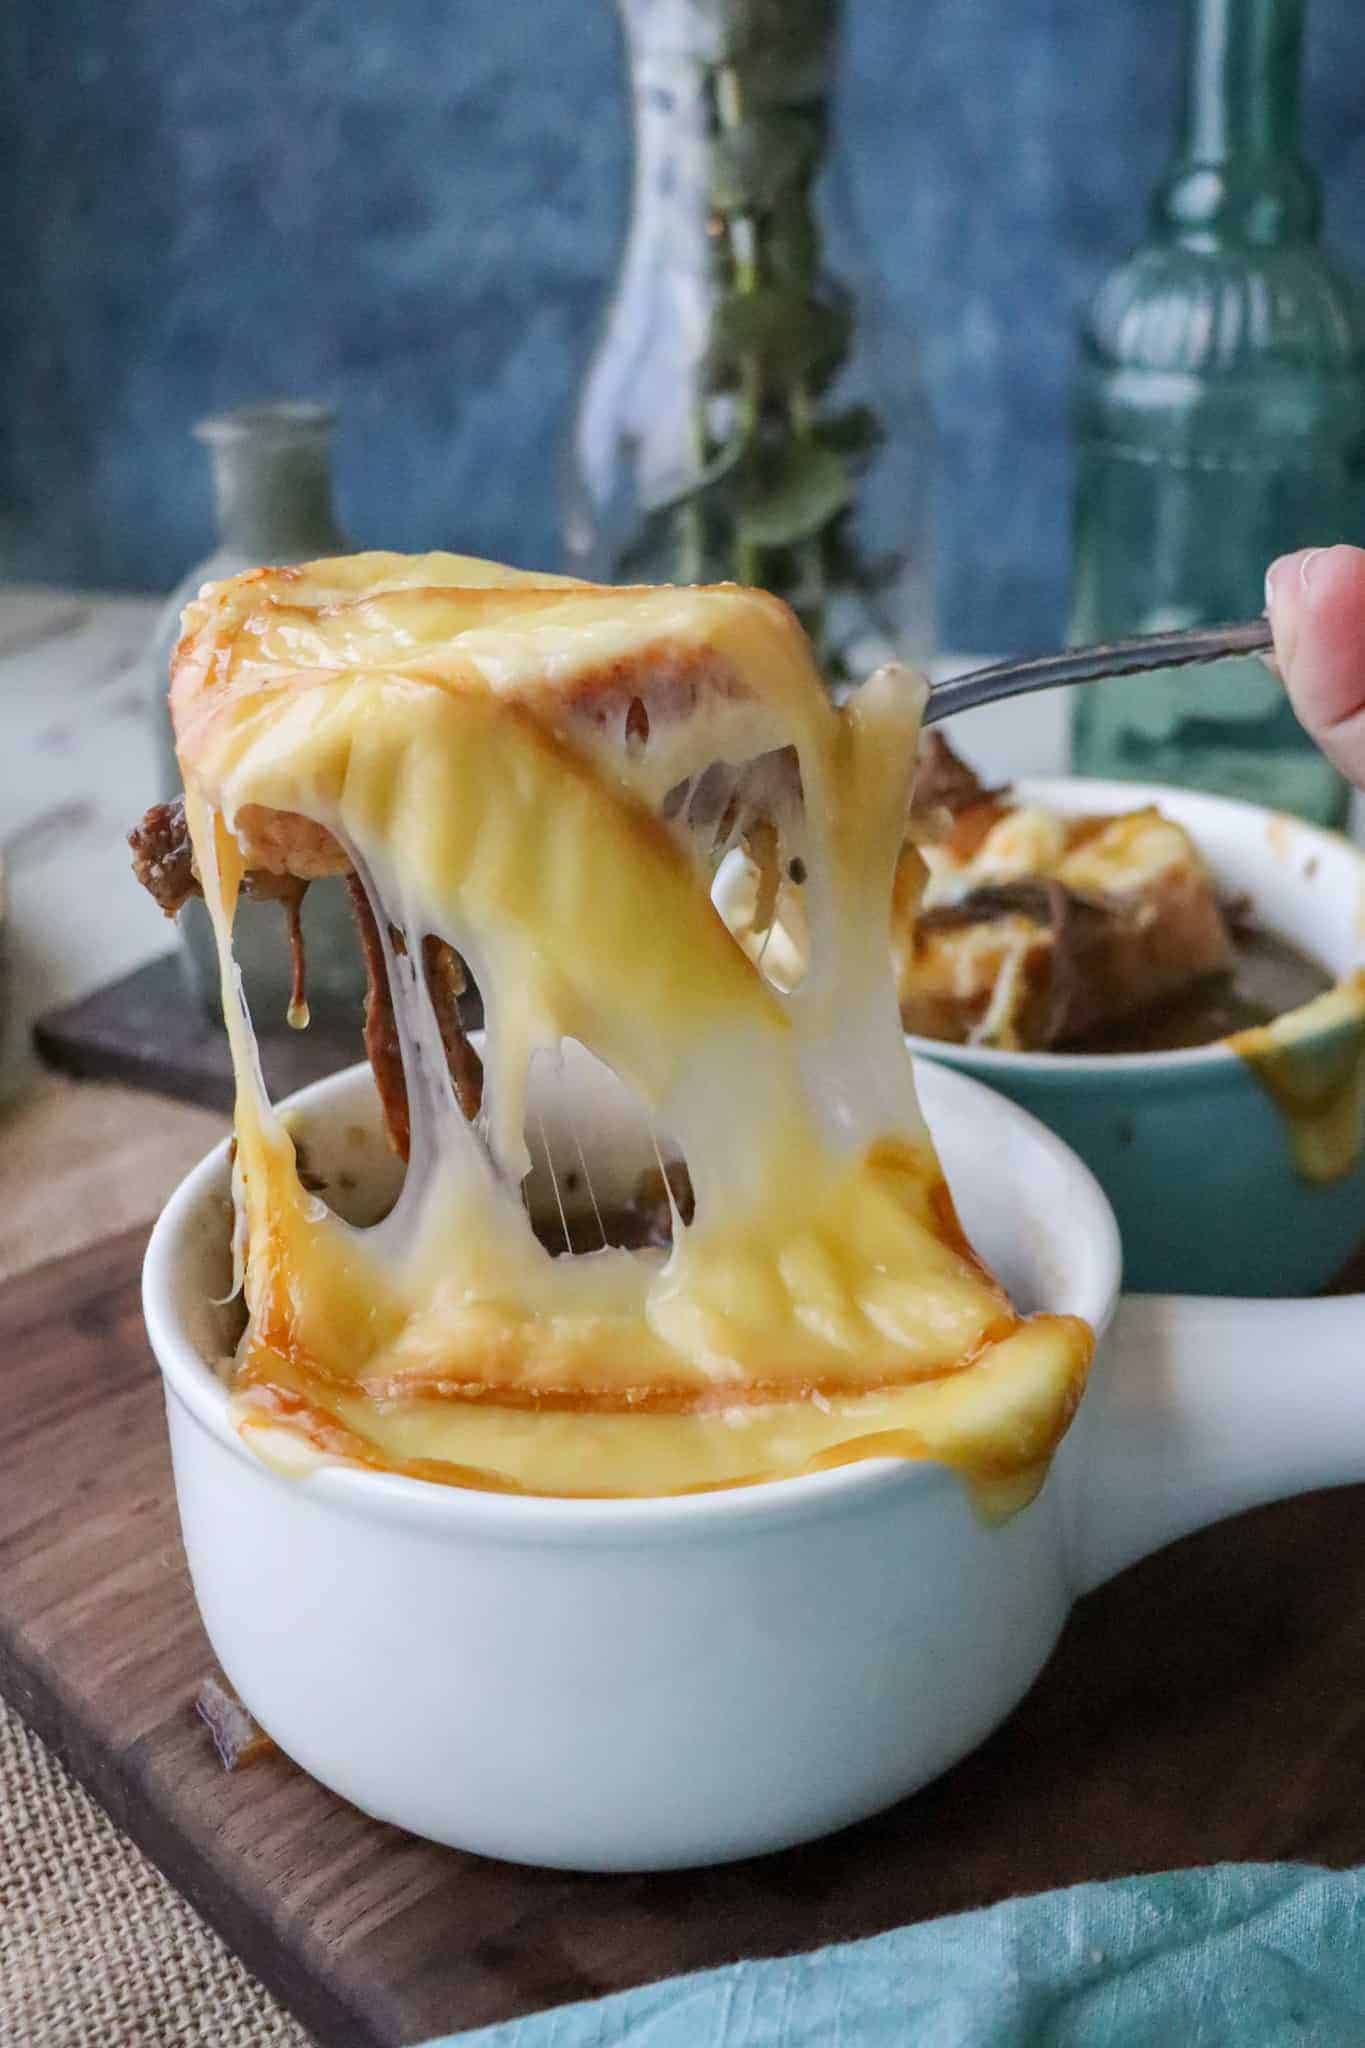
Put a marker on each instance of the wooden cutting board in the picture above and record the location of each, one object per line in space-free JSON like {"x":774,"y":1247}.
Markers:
{"x":1209,"y":1704}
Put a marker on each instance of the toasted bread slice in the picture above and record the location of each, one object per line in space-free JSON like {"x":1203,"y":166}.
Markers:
{"x":1033,"y":929}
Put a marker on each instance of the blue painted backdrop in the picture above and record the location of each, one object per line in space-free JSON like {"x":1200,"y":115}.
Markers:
{"x":414,"y":206}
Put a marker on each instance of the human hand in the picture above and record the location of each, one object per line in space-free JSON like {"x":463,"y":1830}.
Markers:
{"x":1315,"y":601}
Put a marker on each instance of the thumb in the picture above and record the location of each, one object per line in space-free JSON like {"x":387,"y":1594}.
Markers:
{"x":1315,"y":601}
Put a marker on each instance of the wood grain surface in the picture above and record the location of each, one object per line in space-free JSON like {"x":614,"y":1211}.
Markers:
{"x":1209,"y":1704}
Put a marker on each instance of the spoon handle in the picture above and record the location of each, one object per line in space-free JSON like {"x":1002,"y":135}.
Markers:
{"x":1094,"y":664}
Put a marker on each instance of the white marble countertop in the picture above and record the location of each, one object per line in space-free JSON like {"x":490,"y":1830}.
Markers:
{"x":76,"y":766}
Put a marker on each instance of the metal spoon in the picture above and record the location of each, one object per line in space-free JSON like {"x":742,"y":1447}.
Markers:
{"x":1095,"y":664}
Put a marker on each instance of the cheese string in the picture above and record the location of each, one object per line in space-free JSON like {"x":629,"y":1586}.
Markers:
{"x":587,"y":1176}
{"x":554,"y":1181}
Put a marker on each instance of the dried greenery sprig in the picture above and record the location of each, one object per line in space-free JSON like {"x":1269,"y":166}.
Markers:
{"x":777,"y":465}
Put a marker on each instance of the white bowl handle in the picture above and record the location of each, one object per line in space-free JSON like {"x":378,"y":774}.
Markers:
{"x":1201,"y":1408}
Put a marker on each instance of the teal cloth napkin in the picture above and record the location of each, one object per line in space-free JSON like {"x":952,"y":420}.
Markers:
{"x":1250,"y":1954}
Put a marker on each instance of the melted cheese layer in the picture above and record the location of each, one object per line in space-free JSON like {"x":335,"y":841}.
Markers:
{"x":470,"y":741}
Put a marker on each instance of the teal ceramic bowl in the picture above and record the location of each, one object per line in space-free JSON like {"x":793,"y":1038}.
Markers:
{"x":1229,"y":1173}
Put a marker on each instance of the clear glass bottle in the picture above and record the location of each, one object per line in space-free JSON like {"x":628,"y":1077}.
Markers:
{"x":1219,"y":420}
{"x":273,"y":496}
{"x":751,"y":411}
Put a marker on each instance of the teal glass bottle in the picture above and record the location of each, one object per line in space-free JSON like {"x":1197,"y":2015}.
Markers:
{"x":272,"y":483}
{"x":1219,"y":421}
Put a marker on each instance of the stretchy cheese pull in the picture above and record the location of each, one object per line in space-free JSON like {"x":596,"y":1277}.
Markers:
{"x":547,"y":777}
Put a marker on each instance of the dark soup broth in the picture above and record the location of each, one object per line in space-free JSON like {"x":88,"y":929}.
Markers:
{"x":1271,"y":976}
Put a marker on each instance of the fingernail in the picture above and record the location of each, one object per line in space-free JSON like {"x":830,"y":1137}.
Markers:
{"x":1306,"y":564}
{"x":1274,"y":578}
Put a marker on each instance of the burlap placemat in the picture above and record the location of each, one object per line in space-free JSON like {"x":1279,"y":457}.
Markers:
{"x":96,"y":1949}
